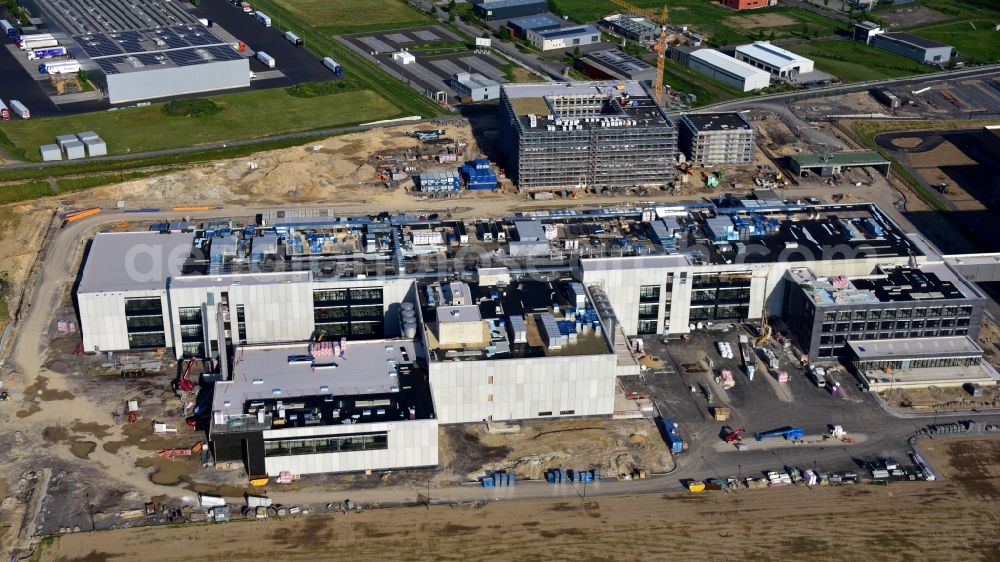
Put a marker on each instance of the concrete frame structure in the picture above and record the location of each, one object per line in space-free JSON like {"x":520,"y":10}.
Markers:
{"x":716,"y":138}
{"x":781,"y":63}
{"x":728,"y":70}
{"x":585,"y":135}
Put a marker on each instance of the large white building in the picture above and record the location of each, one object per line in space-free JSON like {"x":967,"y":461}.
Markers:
{"x":779,"y":62}
{"x":728,"y":70}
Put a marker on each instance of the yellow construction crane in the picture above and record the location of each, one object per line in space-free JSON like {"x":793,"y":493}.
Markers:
{"x":661,"y":45}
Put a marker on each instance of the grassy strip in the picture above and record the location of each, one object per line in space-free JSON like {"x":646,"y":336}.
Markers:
{"x":12,"y":193}
{"x":368,"y":75}
{"x":67,"y":185}
{"x":853,"y":61}
{"x":167,"y":160}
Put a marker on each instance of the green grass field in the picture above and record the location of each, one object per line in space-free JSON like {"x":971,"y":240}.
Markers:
{"x":852,"y":61}
{"x":245,"y":115}
{"x":354,"y":16}
{"x":721,"y":25}
{"x":688,"y":81}
{"x":974,"y":40}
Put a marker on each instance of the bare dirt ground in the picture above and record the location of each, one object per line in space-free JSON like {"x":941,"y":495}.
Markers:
{"x":911,"y":16}
{"x":954,"y":519}
{"x":758,"y":21}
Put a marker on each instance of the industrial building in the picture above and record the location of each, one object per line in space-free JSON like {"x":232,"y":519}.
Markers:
{"x":827,"y":165}
{"x":748,"y":4}
{"x":865,"y":30}
{"x":913,"y":47}
{"x":521,"y":26}
{"x":614,"y":64}
{"x":897,"y":302}
{"x":508,"y":9}
{"x":779,"y":62}
{"x":475,"y":87}
{"x":990,"y":141}
{"x":633,"y":28}
{"x":728,"y":70}
{"x":585,"y":135}
{"x":716,"y":138}
{"x":148,"y":49}
{"x":564,"y":38}
{"x":946,"y":361}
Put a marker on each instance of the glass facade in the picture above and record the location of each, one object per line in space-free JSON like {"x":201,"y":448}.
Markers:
{"x":192,"y":331}
{"x":331,"y":444}
{"x":720,"y":296}
{"x":144,"y":323}
{"x":929,"y":363}
{"x":923,"y":321}
{"x":354,"y":313}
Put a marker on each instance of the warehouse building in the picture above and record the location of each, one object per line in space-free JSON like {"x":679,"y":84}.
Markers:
{"x":148,"y":49}
{"x":633,"y":28}
{"x":521,"y":26}
{"x":564,"y":38}
{"x":728,"y":70}
{"x":716,"y":138}
{"x":585,"y":135}
{"x":948,"y":361}
{"x":475,"y":87}
{"x":614,"y":64}
{"x":892,"y":303}
{"x":779,"y":62}
{"x":508,"y":9}
{"x":913,"y":47}
{"x":828,"y":165}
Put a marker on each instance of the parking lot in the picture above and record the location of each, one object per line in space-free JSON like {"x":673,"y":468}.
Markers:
{"x":432,"y":71}
{"x":685,"y":391}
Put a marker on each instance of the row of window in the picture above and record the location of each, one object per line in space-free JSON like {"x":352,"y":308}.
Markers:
{"x":333,"y":444}
{"x":143,"y":306}
{"x":146,"y":341}
{"x":358,"y":329}
{"x":934,"y":362}
{"x":326,"y":314}
{"x":365,"y":294}
{"x":844,"y":338}
{"x":720,"y":312}
{"x":871,"y":326}
{"x":892,"y":313}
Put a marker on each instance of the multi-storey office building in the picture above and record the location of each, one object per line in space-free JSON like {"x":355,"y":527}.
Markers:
{"x":717,"y":138}
{"x":585,"y":135}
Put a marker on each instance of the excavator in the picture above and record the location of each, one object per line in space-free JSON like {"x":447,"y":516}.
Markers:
{"x":735,"y":435}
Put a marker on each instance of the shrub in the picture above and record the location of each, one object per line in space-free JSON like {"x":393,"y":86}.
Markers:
{"x":198,"y":107}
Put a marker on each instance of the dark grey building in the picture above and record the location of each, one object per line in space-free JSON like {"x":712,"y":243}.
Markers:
{"x":633,"y":28}
{"x":614,"y":64}
{"x":913,"y":47}
{"x":544,"y":22}
{"x":716,"y":138}
{"x":932,"y":301}
{"x":585,"y":135}
{"x":506,"y":9}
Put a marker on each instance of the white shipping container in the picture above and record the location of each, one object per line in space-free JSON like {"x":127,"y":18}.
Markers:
{"x":27,"y":44}
{"x":20,"y":109}
{"x":265,"y":58}
{"x":262,"y":18}
{"x":61,"y":67}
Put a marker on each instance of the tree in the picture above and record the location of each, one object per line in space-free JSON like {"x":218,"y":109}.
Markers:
{"x":826,"y":3}
{"x":576,"y":53}
{"x":505,"y":33}
{"x":770,"y":36}
{"x":4,"y":285}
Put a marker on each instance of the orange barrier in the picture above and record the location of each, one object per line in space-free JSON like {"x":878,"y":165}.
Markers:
{"x":200,"y":208}
{"x":82,"y":214}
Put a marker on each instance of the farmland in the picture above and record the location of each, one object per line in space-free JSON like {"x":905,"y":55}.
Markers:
{"x":852,"y":61}
{"x":353,"y":17}
{"x":243,"y":115}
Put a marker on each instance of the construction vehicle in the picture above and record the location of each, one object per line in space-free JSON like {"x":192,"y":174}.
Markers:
{"x":941,"y":187}
{"x":428,"y":135}
{"x":764,"y":337}
{"x":789,"y":433}
{"x":4,"y":396}
{"x":672,"y":436}
{"x":184,"y":382}
{"x":735,"y":435}
{"x":695,"y":486}
{"x":661,"y":44}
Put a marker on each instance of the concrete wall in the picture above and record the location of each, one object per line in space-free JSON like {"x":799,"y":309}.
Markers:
{"x":103,"y":323}
{"x":522,"y":388}
{"x":176,"y":80}
{"x":411,"y":444}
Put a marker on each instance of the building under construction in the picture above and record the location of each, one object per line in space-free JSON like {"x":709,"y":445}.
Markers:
{"x":585,"y":135}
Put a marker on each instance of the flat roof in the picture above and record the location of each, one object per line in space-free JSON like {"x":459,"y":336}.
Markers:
{"x":121,"y":52}
{"x":619,"y":61}
{"x":536,"y":22}
{"x":860,"y":158}
{"x":771,"y":54}
{"x":249,"y":279}
{"x":494,"y":4}
{"x":568,"y":31}
{"x":606,"y":109}
{"x":914,"y":40}
{"x":717,"y":121}
{"x":126,"y":261}
{"x":78,"y":17}
{"x":727,"y":63}
{"x":631,"y":24}
{"x":475,"y":80}
{"x":914,"y":347}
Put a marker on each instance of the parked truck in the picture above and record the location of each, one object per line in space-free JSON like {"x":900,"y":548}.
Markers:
{"x":262,"y":18}
{"x":333,"y":66}
{"x":9,"y":30}
{"x":36,"y":41}
{"x":293,"y":39}
{"x":4,"y":111}
{"x":672,"y":436}
{"x":20,"y":109}
{"x":265,"y":58}
{"x":60,"y":67}
{"x":47,"y":53}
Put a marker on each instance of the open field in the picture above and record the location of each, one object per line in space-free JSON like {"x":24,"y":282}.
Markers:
{"x":974,"y":40}
{"x":355,"y":16}
{"x":683,"y":79}
{"x":852,"y":61}
{"x":720,"y":24}
{"x":906,"y":521}
{"x":966,"y":25}
{"x":244,"y":115}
